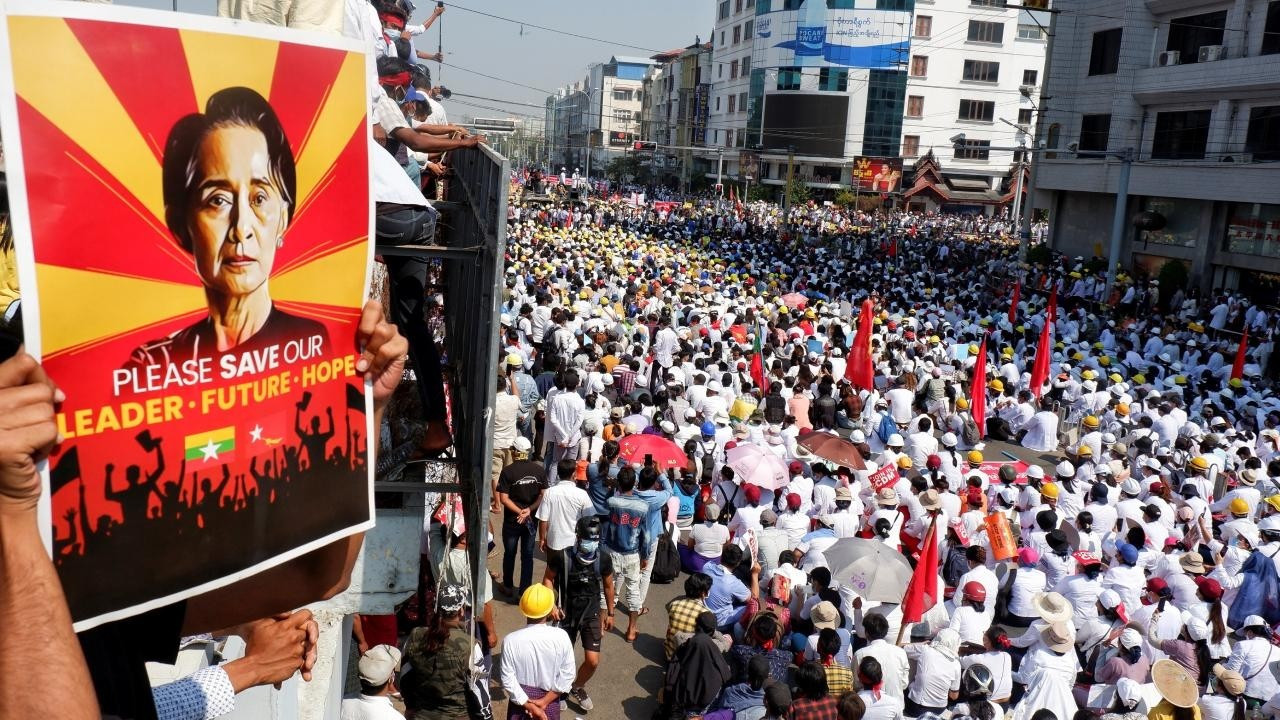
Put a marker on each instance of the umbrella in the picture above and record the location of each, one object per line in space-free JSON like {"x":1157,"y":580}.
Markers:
{"x":834,"y":448}
{"x":794,"y":300}
{"x":870,"y":568}
{"x":665,"y":453}
{"x":752,"y":464}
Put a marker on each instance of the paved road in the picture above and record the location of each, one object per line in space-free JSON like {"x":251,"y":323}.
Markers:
{"x":630,"y":675}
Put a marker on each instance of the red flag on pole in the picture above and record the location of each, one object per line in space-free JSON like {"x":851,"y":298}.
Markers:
{"x":1013,"y":303}
{"x":859,"y":369}
{"x":922,"y":592}
{"x":978,"y":390}
{"x":1237,"y":370}
{"x":1040,"y":368}
{"x":757,"y":363}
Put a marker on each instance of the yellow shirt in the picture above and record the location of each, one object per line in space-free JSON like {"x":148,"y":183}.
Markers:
{"x":1164,"y":711}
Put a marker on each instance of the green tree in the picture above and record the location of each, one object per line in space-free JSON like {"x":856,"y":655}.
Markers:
{"x":622,"y":168}
{"x":846,"y":198}
{"x":797,"y":191}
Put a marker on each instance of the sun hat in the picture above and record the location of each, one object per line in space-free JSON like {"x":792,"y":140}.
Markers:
{"x":824,"y":615}
{"x":1052,"y":607}
{"x":1230,"y":680}
{"x":1174,"y":683}
{"x":1058,"y":637}
{"x":378,"y":664}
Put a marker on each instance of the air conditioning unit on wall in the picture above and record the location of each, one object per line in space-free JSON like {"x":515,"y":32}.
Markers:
{"x":1211,"y":53}
{"x":1170,"y":57}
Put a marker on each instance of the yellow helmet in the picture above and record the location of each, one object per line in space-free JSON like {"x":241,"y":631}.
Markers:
{"x":1090,"y":421}
{"x":1273,"y":501}
{"x":1199,"y":463}
{"x":1236,"y":383}
{"x":974,"y":457}
{"x":1084,"y":451}
{"x":1238,"y":506}
{"x":1049,"y":490}
{"x":973,"y":349}
{"x":996,"y":385}
{"x":962,"y":403}
{"x":537,"y":602}
{"x":1122,"y":409}
{"x":904,"y":463}
{"x":1139,"y":379}
{"x":1088,"y":375}
{"x":1105,"y":361}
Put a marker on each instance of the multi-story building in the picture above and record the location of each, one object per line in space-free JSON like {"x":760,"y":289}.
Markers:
{"x":974,"y":69}
{"x":732,"y":46}
{"x":1189,"y":92}
{"x":590,"y":121}
{"x":675,"y":111}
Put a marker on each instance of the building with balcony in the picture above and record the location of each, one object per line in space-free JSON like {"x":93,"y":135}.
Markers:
{"x":675,"y":112}
{"x":592,"y":120}
{"x":975,"y":68}
{"x":1193,"y":89}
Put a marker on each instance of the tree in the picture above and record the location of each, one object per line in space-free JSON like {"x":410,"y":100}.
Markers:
{"x":623,"y":168}
{"x":757,"y":193}
{"x":846,"y":198}
{"x":797,"y":191}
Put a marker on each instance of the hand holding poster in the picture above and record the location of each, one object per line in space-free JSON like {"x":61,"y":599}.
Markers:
{"x":883,"y":478}
{"x":192,"y":229}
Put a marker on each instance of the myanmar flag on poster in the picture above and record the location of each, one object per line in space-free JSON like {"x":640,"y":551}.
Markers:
{"x":757,"y":363}
{"x":217,"y":445}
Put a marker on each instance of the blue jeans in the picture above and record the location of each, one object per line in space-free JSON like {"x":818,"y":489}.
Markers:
{"x":521,"y":535}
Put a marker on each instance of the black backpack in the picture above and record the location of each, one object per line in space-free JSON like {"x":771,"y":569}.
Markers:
{"x":666,"y":562}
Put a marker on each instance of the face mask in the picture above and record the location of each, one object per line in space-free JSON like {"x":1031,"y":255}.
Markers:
{"x":588,"y":547}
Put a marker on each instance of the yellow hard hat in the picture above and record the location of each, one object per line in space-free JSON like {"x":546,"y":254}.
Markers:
{"x":1077,"y":356}
{"x":1139,"y":379}
{"x":904,"y":463}
{"x":1088,"y":375}
{"x":1104,"y":361}
{"x":1199,"y":463}
{"x":1238,"y":506}
{"x":1180,"y":380}
{"x":537,"y":602}
{"x":1084,"y":451}
{"x":1236,"y":383}
{"x":1090,"y":421}
{"x":996,"y":385}
{"x":974,"y":457}
{"x":962,"y":404}
{"x":1122,"y":409}
{"x":1049,"y":490}
{"x":1007,"y":352}
{"x":973,"y":349}
{"x":1273,"y":501}
{"x":1098,"y":345}
{"x":934,"y":339}
{"x":810,"y":314}
{"x":1115,"y":377}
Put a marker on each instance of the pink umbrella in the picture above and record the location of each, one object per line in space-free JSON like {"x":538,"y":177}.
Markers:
{"x":795,"y":300}
{"x":665,"y":453}
{"x":757,"y":466}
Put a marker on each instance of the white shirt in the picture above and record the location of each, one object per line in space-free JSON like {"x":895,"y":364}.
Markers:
{"x":936,"y":676}
{"x":1250,"y":659}
{"x":564,"y":418}
{"x":563,"y":504}
{"x":539,"y":656}
{"x":1026,"y":583}
{"x":893,"y":663}
{"x":366,"y":707}
{"x":1001,"y":667}
{"x":970,"y":623}
{"x":795,"y":525}
{"x":887,"y":707}
{"x":391,"y":184}
{"x":709,"y":539}
{"x":1042,"y":432}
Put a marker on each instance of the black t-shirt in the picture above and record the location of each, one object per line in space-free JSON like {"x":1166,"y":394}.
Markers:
{"x":523,"y":481}
{"x":579,"y":588}
{"x":117,"y":653}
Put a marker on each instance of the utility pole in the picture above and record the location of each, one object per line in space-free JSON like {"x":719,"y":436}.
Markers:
{"x":1017,"y":203}
{"x":1117,"y":220}
{"x":1024,"y":231}
{"x":720,"y":178}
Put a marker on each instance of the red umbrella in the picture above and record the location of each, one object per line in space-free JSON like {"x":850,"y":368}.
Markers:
{"x":664,"y":452}
{"x":834,"y":448}
{"x":795,"y":300}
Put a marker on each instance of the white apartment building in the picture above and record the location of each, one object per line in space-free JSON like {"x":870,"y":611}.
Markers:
{"x":1192,"y":89}
{"x":592,"y":120}
{"x":732,"y":44}
{"x":975,"y":69}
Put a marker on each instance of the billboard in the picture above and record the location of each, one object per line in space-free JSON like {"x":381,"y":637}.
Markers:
{"x":876,"y":174}
{"x":815,"y":36}
{"x":701,"y":108}
{"x":618,"y":138}
{"x":814,"y":125}
{"x":195,"y":450}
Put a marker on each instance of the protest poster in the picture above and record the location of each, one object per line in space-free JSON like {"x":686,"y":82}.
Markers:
{"x":991,"y":468}
{"x":191,"y":211}
{"x":885,"y":477}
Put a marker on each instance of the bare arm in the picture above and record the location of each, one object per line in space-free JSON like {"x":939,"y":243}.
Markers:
{"x":33,"y":609}
{"x":427,"y":143}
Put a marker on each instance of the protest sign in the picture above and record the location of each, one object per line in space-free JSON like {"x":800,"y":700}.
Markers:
{"x":884,"y":477}
{"x":191,"y":211}
{"x":991,"y":469}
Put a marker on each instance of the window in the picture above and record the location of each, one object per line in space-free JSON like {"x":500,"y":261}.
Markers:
{"x":737,"y":7}
{"x":919,"y":65}
{"x":833,"y":79}
{"x":1271,"y":30}
{"x":733,"y":103}
{"x":977,"y":110}
{"x":742,"y":102}
{"x":910,"y":145}
{"x":719,"y":69}
{"x":1094,"y":132}
{"x":1188,"y":34}
{"x":721,"y":38}
{"x":973,"y":150}
{"x":733,"y":70}
{"x":745,"y":68}
{"x":622,"y":116}
{"x":724,"y":10}
{"x":1104,"y":58}
{"x":792,"y":4}
{"x":987,"y":3}
{"x":986,"y":32}
{"x":924,"y":26}
{"x":728,"y":139}
{"x":899,"y":5}
{"x":717,"y":103}
{"x":1030,"y":32}
{"x":915,"y":106}
{"x":623,"y":95}
{"x":981,"y":71}
{"x":789,"y":78}
{"x":1181,"y":135}
{"x":1029,"y":77}
{"x":1024,"y":117}
{"x":737,"y":34}
{"x":1263,"y":138}
{"x":748,"y":30}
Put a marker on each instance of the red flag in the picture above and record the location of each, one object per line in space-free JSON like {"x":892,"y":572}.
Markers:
{"x":859,"y":369}
{"x":1013,"y":303}
{"x":757,"y":363}
{"x":978,"y":390}
{"x":1237,"y":370}
{"x":1040,"y":368}
{"x":922,"y":591}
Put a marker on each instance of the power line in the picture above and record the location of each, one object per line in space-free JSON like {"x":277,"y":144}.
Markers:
{"x":499,"y":79}
{"x":555,"y":30}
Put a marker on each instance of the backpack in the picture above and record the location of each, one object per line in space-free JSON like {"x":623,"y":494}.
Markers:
{"x":775,"y":409}
{"x":970,"y":432}
{"x":666,"y":562}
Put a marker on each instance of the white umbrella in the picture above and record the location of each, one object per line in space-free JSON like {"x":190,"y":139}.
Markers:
{"x":870,"y":568}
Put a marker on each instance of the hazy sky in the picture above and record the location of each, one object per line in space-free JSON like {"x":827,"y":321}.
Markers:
{"x":542,"y":59}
